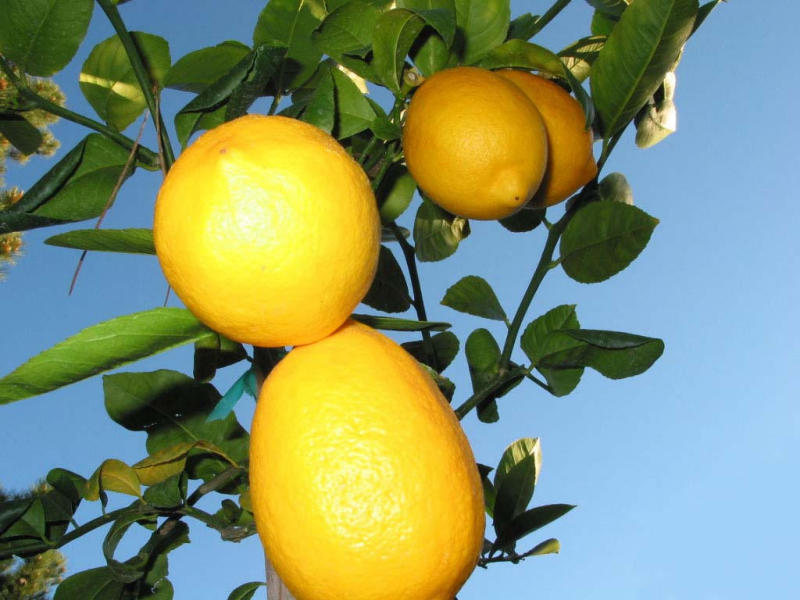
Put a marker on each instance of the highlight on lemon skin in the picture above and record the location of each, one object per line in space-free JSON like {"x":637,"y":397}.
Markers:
{"x":268,"y":231}
{"x":474,"y":143}
{"x":570,"y":163}
{"x":363,"y":484}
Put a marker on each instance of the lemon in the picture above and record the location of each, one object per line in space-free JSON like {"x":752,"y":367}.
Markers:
{"x":268,"y":231}
{"x":570,"y":163}
{"x":363,"y":484}
{"x":474,"y":143}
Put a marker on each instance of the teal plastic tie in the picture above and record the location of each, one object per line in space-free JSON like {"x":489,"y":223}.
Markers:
{"x":245,"y":384}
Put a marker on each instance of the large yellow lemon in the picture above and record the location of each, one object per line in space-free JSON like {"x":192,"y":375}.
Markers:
{"x":268,"y":231}
{"x":474,"y":143}
{"x":362,"y":482}
{"x":570,"y":164}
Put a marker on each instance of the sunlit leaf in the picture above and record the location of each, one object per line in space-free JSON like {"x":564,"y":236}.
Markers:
{"x":136,"y":241}
{"x":483,"y":26}
{"x":437,"y":233}
{"x":197,"y":70}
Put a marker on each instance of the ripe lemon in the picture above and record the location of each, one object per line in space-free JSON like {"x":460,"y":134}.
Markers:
{"x":268,"y":231}
{"x":362,"y":482}
{"x":474,"y":143}
{"x":570,"y":164}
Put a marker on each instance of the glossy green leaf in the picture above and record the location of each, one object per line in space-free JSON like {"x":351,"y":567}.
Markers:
{"x":347,"y":30}
{"x":133,"y":569}
{"x":615,"y":187}
{"x":488,"y":488}
{"x":429,"y":53}
{"x":523,"y":27}
{"x":199,"y":69}
{"x":381,"y":126}
{"x":530,"y":521}
{"x":640,"y":50}
{"x":135,"y":241}
{"x":94,"y":584}
{"x":515,"y":480}
{"x":542,"y":338}
{"x":579,"y":56}
{"x":114,"y":476}
{"x":658,"y":119}
{"x":603,"y":238}
{"x":393,"y":36}
{"x":525,"y":219}
{"x":395,"y":192}
{"x":168,"y":493}
{"x":163,"y":464}
{"x":481,"y":26}
{"x":438,"y":14}
{"x":437,"y":233}
{"x":613,"y":8}
{"x":602,"y":23}
{"x":71,"y":485}
{"x":215,"y":352}
{"x":109,"y":83}
{"x":320,"y":103}
{"x":85,"y":194}
{"x":445,"y":347}
{"x":23,"y":518}
{"x":483,"y":359}
{"x":524,"y":55}
{"x":473,"y":295}
{"x":389,"y":290}
{"x":100,"y":348}
{"x":266,"y":62}
{"x":173,"y":409}
{"x":20,"y":133}
{"x":42,"y":36}
{"x":395,"y":324}
{"x":354,"y":113}
{"x":188,"y":123}
{"x":290,"y":23}
{"x":514,"y":454}
{"x":246,"y":591}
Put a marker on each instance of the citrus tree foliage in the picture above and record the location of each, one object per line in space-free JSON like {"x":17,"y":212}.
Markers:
{"x":315,"y":60}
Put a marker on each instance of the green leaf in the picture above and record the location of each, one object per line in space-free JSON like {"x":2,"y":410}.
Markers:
{"x":70,"y":484}
{"x":109,"y":83}
{"x":94,"y":584}
{"x":42,"y":36}
{"x":703,"y":13}
{"x":473,"y":295}
{"x":525,"y":219}
{"x":100,"y":348}
{"x":266,"y":62}
{"x":85,"y":193}
{"x":437,"y":233}
{"x":483,"y":359}
{"x":639,"y":52}
{"x":515,"y":480}
{"x":134,"y":569}
{"x":395,"y":324}
{"x":381,"y":126}
{"x":290,"y":23}
{"x":245,"y":591}
{"x":488,"y":488}
{"x":481,"y":26}
{"x":173,"y":409}
{"x":23,"y":136}
{"x":602,"y":24}
{"x":389,"y":290}
{"x":169,"y":493}
{"x":395,"y":192}
{"x":347,"y":30}
{"x":530,"y":521}
{"x":445,"y":346}
{"x":115,"y":476}
{"x":23,"y":518}
{"x":163,"y":464}
{"x":524,"y":55}
{"x":135,"y":241}
{"x":440,"y":15}
{"x":354,"y":113}
{"x":542,"y":338}
{"x":429,"y":53}
{"x":615,"y":187}
{"x":523,"y":27}
{"x":318,"y":99}
{"x":579,"y":56}
{"x":199,"y":69}
{"x":551,"y":546}
{"x":215,"y":352}
{"x":613,"y":8}
{"x":188,"y":123}
{"x":514,"y":454}
{"x":603,"y":238}
{"x":393,"y":36}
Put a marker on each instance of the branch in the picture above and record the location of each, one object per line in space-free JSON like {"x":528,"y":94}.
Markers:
{"x":551,"y":14}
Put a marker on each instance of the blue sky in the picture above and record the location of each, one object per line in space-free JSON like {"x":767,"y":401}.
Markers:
{"x":684,"y":477}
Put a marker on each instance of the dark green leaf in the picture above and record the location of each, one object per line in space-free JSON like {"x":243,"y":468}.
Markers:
{"x":136,"y":241}
{"x":245,"y":591}
{"x":613,"y":8}
{"x":437,"y":233}
{"x":72,"y":485}
{"x":100,"y":348}
{"x":42,"y":36}
{"x":438,"y":14}
{"x":215,"y":352}
{"x":388,"y":235}
{"x":473,"y":295}
{"x":290,"y":23}
{"x":199,"y":69}
{"x":169,"y":493}
{"x":132,"y":570}
{"x":639,"y":52}
{"x":429,"y":53}
{"x":266,"y":62}
{"x":579,"y":56}
{"x":173,"y":409}
{"x":23,"y":136}
{"x":523,"y":27}
{"x":85,"y":194}
{"x":481,"y":26}
{"x":542,"y":338}
{"x":602,"y":24}
{"x":483,"y":358}
{"x":189,"y":123}
{"x":524,"y":55}
{"x":395,"y":324}
{"x":395,"y":193}
{"x":488,"y":488}
{"x":394,"y":34}
{"x":615,"y":187}
{"x":381,"y":126}
{"x":347,"y":30}
{"x":530,"y":521}
{"x":703,"y":13}
{"x":354,"y":113}
{"x":445,"y":346}
{"x":525,"y":219}
{"x":109,"y":83}
{"x":23,"y":518}
{"x":603,"y":238}
{"x":389,"y":290}
{"x":319,"y":99}
{"x":94,"y":584}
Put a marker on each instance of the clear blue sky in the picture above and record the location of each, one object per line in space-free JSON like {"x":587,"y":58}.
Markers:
{"x":685,"y":477}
